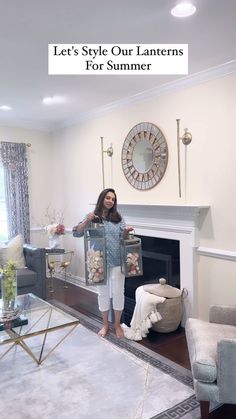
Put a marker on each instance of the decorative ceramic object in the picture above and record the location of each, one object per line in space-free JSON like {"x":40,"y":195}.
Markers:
{"x":54,"y":241}
{"x":55,"y":231}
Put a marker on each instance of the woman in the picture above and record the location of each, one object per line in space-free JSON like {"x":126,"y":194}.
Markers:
{"x":114,"y":226}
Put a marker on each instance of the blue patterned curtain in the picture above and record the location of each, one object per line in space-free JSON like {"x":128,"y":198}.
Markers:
{"x":14,"y":160}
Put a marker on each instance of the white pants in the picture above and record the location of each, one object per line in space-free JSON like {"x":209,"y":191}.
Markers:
{"x":114,"y":289}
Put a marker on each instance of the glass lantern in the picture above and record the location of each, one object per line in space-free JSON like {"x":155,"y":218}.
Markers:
{"x":131,"y":256}
{"x":9,"y":309}
{"x":95,"y":255}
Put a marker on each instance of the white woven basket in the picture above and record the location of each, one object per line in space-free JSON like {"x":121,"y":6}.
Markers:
{"x":171,"y":312}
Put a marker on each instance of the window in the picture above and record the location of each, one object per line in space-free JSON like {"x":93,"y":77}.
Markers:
{"x":3,"y":208}
{"x":14,"y":196}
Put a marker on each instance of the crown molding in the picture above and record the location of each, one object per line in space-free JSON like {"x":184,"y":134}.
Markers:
{"x":211,"y":73}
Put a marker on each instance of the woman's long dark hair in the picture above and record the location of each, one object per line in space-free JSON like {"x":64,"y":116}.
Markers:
{"x":113,"y":215}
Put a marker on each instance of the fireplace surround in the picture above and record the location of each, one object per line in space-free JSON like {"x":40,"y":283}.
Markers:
{"x":174,"y":222}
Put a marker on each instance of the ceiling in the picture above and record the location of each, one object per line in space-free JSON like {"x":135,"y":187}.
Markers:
{"x":28,"y":26}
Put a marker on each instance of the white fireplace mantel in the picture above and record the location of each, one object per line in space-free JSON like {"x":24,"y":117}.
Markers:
{"x":175,"y":214}
{"x":175,"y":222}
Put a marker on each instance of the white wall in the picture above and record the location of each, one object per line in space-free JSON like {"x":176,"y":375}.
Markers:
{"x":208,"y":110}
{"x":65,"y":171}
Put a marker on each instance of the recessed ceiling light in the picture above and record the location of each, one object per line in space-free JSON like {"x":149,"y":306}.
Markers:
{"x":53,"y":100}
{"x":183,"y":10}
{"x":5,"y":108}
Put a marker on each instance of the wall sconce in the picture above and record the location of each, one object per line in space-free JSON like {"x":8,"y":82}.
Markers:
{"x":109,"y":152}
{"x":186,"y":140}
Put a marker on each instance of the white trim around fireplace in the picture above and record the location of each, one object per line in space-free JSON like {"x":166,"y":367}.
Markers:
{"x":174,"y":222}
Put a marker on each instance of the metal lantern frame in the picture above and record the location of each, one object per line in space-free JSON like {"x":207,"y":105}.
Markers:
{"x":131,"y":256}
{"x":95,"y":255}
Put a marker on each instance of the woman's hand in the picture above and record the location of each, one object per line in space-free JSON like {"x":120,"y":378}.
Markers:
{"x":127,"y":230}
{"x":83,"y":224}
{"x":90,"y":216}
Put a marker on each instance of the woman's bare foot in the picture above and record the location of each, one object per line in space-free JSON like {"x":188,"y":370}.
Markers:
{"x":119,"y":332}
{"x":103,"y":332}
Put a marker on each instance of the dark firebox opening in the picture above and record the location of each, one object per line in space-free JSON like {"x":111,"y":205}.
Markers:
{"x":161,"y":259}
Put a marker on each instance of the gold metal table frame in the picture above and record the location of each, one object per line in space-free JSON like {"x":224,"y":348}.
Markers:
{"x":42,"y":313}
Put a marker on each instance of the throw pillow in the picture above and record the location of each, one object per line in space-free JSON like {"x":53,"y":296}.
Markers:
{"x":13,"y":251}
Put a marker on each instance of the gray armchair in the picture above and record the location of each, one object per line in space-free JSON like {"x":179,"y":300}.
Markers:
{"x":33,"y":277}
{"x":212,"y":352}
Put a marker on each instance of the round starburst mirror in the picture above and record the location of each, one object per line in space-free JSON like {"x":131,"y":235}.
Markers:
{"x":144,"y":156}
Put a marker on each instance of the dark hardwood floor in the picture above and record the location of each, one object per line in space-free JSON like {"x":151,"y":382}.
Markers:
{"x":171,"y":345}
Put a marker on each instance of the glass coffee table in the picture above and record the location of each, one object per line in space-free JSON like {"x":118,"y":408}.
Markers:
{"x":37,"y":317}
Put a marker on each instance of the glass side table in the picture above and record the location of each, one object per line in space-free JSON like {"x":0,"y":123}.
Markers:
{"x":52,"y":262}
{"x":58,"y":262}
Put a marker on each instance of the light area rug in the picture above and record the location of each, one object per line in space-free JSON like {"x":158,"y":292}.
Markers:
{"x":91,"y":377}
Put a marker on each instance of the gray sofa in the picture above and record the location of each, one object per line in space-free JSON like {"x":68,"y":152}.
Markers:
{"x":32,"y":278}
